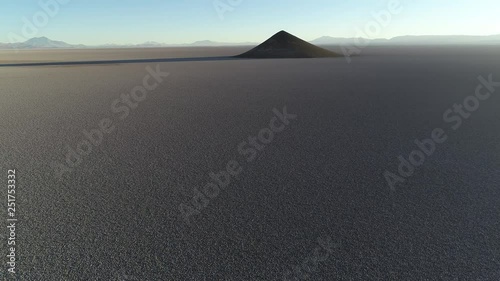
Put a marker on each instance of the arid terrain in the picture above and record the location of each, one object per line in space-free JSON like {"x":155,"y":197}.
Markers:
{"x":51,"y":55}
{"x":120,"y":212}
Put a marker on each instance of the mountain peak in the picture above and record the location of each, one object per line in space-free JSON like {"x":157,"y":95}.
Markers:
{"x":44,"y":42}
{"x":286,"y":45}
{"x":43,"y":38}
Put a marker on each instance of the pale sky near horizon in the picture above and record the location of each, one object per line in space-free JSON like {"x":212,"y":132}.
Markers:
{"x":94,"y":22}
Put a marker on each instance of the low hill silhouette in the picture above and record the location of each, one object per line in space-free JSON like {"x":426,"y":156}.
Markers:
{"x":285,"y":45}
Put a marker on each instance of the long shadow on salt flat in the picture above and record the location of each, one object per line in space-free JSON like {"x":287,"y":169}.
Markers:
{"x":104,"y":62}
{"x":119,"y":61}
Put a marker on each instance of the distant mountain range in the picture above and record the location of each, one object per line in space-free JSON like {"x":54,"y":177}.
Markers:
{"x":39,"y":43}
{"x":412,"y":40}
{"x":46,"y":43}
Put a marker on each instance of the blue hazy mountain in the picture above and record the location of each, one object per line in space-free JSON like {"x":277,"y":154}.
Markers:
{"x":46,"y":43}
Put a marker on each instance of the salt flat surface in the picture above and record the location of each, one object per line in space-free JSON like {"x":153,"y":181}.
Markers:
{"x":117,"y":213}
{"x":51,"y":55}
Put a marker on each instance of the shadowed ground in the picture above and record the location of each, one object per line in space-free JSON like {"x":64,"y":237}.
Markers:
{"x":117,"y":213}
{"x":103,"y":62}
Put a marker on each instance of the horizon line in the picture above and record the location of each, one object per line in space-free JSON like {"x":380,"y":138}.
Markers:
{"x":247,"y":42}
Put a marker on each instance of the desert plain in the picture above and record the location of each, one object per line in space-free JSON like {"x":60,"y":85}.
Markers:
{"x":117,"y":214}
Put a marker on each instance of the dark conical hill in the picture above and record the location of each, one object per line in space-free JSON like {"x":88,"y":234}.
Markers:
{"x":285,"y":45}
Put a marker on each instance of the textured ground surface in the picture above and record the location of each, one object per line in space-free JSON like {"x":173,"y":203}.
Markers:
{"x":51,"y":55}
{"x":116,"y":216}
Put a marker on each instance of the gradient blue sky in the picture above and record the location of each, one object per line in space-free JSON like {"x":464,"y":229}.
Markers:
{"x":185,"y":21}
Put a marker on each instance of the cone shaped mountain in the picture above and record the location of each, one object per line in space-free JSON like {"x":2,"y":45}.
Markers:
{"x":285,"y":45}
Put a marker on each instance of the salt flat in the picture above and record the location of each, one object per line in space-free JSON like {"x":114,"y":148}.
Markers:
{"x":117,"y":213}
{"x":52,"y":55}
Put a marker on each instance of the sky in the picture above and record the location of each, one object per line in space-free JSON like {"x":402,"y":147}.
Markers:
{"x":94,"y":22}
